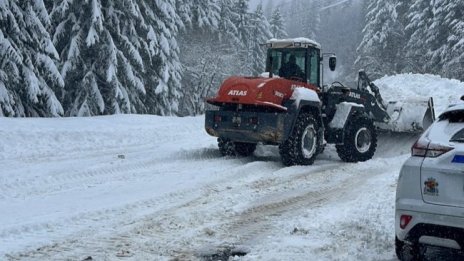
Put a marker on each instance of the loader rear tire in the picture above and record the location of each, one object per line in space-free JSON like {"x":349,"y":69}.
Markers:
{"x":231,"y":148}
{"x":301,"y":148}
{"x":360,"y":140}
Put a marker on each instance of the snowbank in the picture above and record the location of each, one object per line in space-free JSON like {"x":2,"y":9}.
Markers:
{"x":421,"y":86}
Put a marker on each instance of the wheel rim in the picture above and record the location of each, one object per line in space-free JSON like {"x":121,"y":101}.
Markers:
{"x":363,"y":140}
{"x":309,"y":141}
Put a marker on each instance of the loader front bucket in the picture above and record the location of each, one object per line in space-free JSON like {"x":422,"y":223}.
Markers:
{"x":409,"y":116}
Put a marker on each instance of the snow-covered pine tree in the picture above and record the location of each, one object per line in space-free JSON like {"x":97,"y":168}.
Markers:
{"x":202,"y":68}
{"x":291,"y":15}
{"x":29,"y":77}
{"x":418,"y":21}
{"x":200,"y":14}
{"x":165,"y":70}
{"x":118,"y":56}
{"x":242,"y":20}
{"x":227,"y":29}
{"x":311,"y":19}
{"x":211,"y":54}
{"x":277,"y":24}
{"x":436,"y":37}
{"x":380,"y":51}
{"x":303,"y":18}
{"x":200,"y":56}
{"x":268,"y":8}
{"x":452,"y":51}
{"x":261,"y":32}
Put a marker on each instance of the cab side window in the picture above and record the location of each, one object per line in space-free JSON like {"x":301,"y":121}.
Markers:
{"x":313,"y":62}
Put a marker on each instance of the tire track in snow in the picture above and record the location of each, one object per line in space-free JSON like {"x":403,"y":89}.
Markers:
{"x":118,"y":215}
{"x":255,"y":221}
{"x":66,"y":178}
{"x":183,"y":230}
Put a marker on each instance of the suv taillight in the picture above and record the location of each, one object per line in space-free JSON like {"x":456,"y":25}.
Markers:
{"x":424,"y":148}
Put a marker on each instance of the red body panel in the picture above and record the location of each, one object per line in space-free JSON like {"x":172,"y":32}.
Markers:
{"x":258,"y":91}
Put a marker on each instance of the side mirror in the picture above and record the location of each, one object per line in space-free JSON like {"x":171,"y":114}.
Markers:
{"x":332,"y":62}
{"x":462,"y":98}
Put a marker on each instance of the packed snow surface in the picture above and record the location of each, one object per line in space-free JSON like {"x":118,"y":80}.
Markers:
{"x":419,"y":87}
{"x":131,"y":187}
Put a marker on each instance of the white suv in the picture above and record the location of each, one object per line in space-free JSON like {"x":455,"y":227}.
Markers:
{"x":430,"y":192}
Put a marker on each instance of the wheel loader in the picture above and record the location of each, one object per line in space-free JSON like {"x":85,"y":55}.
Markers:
{"x":288,"y":106}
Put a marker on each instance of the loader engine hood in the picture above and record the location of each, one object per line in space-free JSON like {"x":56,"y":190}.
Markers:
{"x":257,"y":91}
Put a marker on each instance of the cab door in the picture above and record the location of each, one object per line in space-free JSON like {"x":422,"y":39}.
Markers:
{"x":312,"y":67}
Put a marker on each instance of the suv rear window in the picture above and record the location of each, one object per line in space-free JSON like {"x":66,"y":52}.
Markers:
{"x":453,"y":116}
{"x":458,"y":137}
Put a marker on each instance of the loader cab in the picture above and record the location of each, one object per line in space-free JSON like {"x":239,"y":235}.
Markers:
{"x":283,"y":56}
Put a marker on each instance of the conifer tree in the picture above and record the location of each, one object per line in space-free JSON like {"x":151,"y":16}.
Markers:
{"x":29,"y":77}
{"x":312,"y":19}
{"x":277,"y":24}
{"x":261,"y":32}
{"x":203,"y":49}
{"x":243,"y":23}
{"x":268,"y":9}
{"x":303,"y":18}
{"x":418,"y":21}
{"x":380,"y":51}
{"x":455,"y":58}
{"x":118,"y":56}
{"x":227,"y":28}
{"x":201,"y":14}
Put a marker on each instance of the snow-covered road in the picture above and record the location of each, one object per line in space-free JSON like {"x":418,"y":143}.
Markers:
{"x":131,"y":187}
{"x":149,"y":187}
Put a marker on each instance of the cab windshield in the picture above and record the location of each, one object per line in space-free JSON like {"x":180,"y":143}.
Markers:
{"x":291,"y":63}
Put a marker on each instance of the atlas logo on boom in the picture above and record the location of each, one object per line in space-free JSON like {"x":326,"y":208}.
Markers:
{"x":355,"y":95}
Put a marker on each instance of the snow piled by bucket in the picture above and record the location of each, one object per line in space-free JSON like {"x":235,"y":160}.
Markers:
{"x":420,"y":87}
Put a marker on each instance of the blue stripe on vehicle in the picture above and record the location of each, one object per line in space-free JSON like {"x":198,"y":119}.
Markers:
{"x":458,"y":159}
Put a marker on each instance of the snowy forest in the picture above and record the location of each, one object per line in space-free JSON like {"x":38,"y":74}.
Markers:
{"x":163,"y":57}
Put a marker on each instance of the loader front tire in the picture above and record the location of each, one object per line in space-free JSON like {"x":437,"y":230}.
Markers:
{"x":360,"y":140}
{"x":302,"y":147}
{"x":231,"y":148}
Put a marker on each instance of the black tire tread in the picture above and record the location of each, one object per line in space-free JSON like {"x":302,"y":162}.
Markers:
{"x":347,"y":151}
{"x":289,"y":150}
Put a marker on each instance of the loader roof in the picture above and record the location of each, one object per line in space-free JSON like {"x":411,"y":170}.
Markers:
{"x":292,"y":42}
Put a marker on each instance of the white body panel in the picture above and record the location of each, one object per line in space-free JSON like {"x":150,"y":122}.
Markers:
{"x":431,"y":189}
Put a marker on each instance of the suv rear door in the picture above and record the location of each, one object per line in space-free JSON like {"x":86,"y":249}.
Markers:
{"x":442,"y":177}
